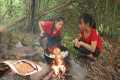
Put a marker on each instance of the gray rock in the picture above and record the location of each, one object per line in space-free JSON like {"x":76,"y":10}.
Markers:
{"x":41,"y":74}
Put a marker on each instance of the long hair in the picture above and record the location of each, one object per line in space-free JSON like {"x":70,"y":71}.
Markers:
{"x":55,"y":20}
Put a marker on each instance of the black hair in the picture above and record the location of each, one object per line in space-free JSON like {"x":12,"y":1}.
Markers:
{"x":88,"y":19}
{"x":57,"y":19}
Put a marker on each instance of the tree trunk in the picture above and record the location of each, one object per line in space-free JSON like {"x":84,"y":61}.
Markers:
{"x":10,"y":8}
{"x":29,"y":15}
{"x":31,"y":7}
{"x":32,"y":16}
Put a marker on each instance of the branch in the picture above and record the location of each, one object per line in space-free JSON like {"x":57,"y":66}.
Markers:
{"x":15,"y":22}
{"x":4,"y":14}
{"x":43,"y":12}
{"x":2,"y":17}
{"x":62,"y":6}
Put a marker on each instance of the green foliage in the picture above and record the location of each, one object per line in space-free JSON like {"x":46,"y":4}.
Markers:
{"x":108,"y":31}
{"x":49,"y":16}
{"x":10,"y":10}
{"x":106,"y":13}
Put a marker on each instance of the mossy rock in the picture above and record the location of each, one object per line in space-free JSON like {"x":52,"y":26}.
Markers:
{"x":12,"y":38}
{"x":16,"y":35}
{"x":27,"y":40}
{"x":3,"y":38}
{"x":24,"y":38}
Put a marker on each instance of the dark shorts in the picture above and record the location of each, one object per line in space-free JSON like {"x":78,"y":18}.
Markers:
{"x":84,"y":52}
{"x":48,"y":41}
{"x":54,"y":41}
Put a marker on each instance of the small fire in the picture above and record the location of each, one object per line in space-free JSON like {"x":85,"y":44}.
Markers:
{"x":58,"y":64}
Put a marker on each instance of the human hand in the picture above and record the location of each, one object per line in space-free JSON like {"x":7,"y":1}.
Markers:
{"x":42,"y":34}
{"x":75,"y":40}
{"x":78,"y":44}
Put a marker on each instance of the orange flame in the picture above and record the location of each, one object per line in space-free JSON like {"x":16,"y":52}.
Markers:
{"x":58,"y":65}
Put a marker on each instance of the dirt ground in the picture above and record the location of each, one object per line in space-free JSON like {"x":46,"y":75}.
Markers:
{"x":106,"y":69}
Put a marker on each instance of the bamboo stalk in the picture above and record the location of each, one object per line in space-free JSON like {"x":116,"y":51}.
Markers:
{"x":42,"y":13}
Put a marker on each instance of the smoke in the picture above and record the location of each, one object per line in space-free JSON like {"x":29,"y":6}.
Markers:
{"x":39,"y":75}
{"x":77,"y":72}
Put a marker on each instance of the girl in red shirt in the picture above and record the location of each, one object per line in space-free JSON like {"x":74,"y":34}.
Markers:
{"x":51,"y":31}
{"x":89,"y":42}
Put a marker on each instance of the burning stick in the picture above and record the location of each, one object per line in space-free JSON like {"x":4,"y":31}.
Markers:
{"x":58,"y":65}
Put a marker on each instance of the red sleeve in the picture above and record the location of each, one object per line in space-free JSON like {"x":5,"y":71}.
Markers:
{"x":94,"y":36}
{"x":47,"y":27}
{"x":57,"y":32}
{"x":46,"y":24}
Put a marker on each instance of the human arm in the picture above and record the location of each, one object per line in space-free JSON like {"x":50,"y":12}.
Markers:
{"x":41,"y":23}
{"x":77,"y":39}
{"x":93,"y":42}
{"x":91,"y":47}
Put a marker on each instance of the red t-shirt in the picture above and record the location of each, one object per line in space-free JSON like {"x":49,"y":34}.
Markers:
{"x":94,"y":36}
{"x":47,"y":26}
